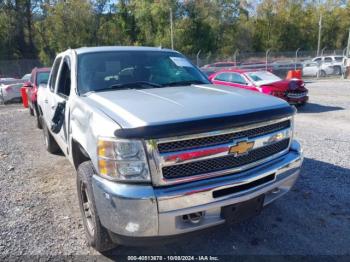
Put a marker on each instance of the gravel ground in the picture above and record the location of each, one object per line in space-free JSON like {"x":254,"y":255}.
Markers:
{"x":39,"y":212}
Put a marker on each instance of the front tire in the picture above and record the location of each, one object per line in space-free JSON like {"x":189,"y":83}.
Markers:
{"x":38,"y":117}
{"x":96,"y":234}
{"x":50,"y":143}
{"x":31,"y":111}
{"x":38,"y":122}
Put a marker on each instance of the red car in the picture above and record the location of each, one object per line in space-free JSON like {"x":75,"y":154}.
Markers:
{"x":293,"y":91}
{"x":38,"y":76}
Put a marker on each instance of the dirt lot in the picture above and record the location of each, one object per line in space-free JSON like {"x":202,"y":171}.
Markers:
{"x":39,"y":212}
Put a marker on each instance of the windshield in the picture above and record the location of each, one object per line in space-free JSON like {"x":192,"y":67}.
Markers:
{"x":42,"y":78}
{"x":263,"y":76}
{"x":102,"y":71}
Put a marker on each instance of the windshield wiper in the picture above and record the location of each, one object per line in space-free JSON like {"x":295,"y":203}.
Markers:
{"x":131,"y":85}
{"x":183,"y":83}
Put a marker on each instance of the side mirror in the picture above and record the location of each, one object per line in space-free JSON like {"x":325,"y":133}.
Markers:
{"x":58,"y":117}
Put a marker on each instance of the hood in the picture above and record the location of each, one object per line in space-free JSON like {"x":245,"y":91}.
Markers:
{"x":135,"y":108}
{"x":285,"y":85}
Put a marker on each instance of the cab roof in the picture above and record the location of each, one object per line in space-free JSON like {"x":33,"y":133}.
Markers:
{"x":84,"y":50}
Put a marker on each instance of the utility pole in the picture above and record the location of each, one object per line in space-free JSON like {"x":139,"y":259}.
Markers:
{"x":197,"y":57}
{"x":235,"y":56}
{"x":348,"y":46}
{"x":319,"y":34}
{"x":171,"y":29}
{"x":296,"y":58}
{"x":266,"y":57}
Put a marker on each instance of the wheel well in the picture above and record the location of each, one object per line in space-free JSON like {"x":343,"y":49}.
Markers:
{"x":79,"y":154}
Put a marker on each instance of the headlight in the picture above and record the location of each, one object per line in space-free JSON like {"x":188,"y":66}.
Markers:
{"x":120,"y":159}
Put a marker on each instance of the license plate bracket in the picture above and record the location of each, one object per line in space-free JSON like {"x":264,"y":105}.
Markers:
{"x":241,"y":211}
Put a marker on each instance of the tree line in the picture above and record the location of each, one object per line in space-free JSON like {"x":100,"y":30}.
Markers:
{"x":38,"y":29}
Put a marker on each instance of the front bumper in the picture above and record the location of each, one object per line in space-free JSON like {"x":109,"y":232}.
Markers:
{"x":296,"y":101}
{"x":135,"y":210}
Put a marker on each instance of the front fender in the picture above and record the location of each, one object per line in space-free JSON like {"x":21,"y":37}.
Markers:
{"x":87,"y":124}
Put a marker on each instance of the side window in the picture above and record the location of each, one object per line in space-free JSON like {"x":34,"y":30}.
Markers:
{"x":328,"y":60}
{"x":226,"y":77}
{"x":53,"y":77}
{"x":64,"y":81}
{"x":237,"y":78}
{"x":318,"y":59}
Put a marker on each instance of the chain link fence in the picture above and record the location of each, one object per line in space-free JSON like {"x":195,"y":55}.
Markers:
{"x":17,"y":68}
{"x":331,"y":63}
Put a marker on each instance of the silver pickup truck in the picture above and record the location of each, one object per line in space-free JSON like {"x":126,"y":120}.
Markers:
{"x":160,"y":151}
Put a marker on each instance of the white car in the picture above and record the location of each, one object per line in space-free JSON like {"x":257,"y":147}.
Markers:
{"x":26,"y":77}
{"x":7,"y":79}
{"x":335,"y":62}
{"x":10,"y":92}
{"x":316,"y":69}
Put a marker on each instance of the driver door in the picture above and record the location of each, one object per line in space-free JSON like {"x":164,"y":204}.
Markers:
{"x":49,"y":99}
{"x":61,"y":96}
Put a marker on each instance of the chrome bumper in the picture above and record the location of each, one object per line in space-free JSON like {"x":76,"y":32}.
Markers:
{"x":144,"y":211}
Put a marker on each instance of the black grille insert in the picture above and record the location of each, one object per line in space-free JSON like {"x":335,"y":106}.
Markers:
{"x":223,"y":163}
{"x":220,"y":139}
{"x":236,"y":189}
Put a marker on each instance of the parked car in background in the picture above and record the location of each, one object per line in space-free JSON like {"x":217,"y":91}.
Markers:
{"x":26,"y":77}
{"x":208,"y":71}
{"x":336,"y":62}
{"x":10,"y":92}
{"x":293,"y":91}
{"x":221,"y":65}
{"x":316,"y":69}
{"x":256,"y":65}
{"x":37,"y":77}
{"x":7,"y":79}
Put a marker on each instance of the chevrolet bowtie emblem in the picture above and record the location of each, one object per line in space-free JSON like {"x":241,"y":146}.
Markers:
{"x":241,"y":148}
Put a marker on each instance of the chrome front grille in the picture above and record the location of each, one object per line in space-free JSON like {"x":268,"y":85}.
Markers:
{"x":223,"y":163}
{"x":187,"y":144}
{"x":193,"y":157}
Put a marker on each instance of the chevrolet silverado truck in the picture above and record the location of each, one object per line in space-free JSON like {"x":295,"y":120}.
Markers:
{"x":160,"y":151}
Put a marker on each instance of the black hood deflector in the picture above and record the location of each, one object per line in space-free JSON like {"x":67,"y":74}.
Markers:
{"x":204,"y":125}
